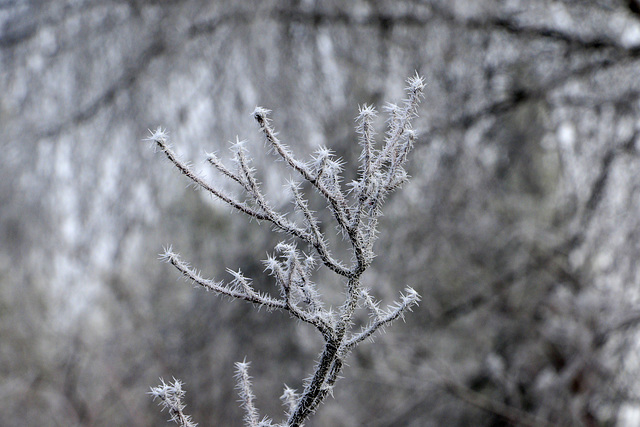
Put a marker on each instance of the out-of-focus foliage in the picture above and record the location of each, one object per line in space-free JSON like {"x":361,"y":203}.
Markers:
{"x":518,"y":227}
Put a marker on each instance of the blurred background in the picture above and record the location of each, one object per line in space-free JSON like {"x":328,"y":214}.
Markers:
{"x":520,"y":226}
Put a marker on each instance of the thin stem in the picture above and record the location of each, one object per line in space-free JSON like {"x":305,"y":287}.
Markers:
{"x":308,"y":402}
{"x":186,"y":171}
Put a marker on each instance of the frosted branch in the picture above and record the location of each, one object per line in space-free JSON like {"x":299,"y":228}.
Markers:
{"x":170,"y":397}
{"x":160,"y":138}
{"x":355,"y":213}
{"x":245,"y":292}
{"x":334,"y":196}
{"x":406,"y":303}
{"x":243,"y":384}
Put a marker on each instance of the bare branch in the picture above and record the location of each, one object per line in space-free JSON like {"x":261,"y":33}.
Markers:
{"x":356,"y":217}
{"x":160,"y":138}
{"x":170,"y":396}
{"x":245,"y":392}
{"x":247,"y":294}
{"x":407,"y":301}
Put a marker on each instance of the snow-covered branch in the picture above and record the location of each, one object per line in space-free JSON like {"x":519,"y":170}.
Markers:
{"x":355,"y":210}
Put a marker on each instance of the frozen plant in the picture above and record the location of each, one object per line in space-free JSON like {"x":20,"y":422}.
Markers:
{"x":170,"y":398}
{"x":356,"y":210}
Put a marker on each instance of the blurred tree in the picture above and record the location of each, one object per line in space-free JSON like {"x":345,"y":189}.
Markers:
{"x":519,"y":226}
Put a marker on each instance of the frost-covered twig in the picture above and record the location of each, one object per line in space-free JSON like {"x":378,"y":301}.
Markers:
{"x":355,"y":210}
{"x":170,"y":396}
{"x":244,"y":291}
{"x":251,"y":417}
{"x":383,"y":317}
